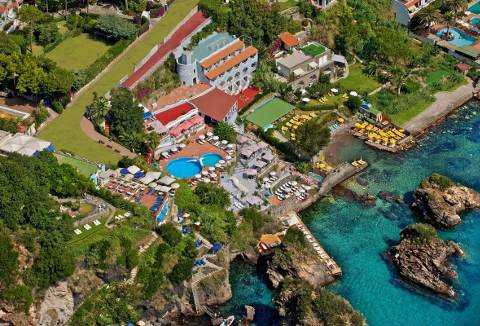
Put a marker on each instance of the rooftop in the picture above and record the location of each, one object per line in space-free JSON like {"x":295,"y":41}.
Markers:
{"x":225,"y":52}
{"x":179,"y":94}
{"x":313,"y":49}
{"x":173,"y":113}
{"x":294,"y":59}
{"x":214,"y":104}
{"x":227,"y":65}
{"x":289,"y":39}
{"x":211,"y":44}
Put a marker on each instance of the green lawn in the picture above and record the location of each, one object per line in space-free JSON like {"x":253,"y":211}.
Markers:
{"x":435,"y":76}
{"x":84,"y":168}
{"x":313,"y":49}
{"x":358,"y":81}
{"x":79,"y":52}
{"x":65,"y":133}
{"x":269,"y":112}
{"x":287,"y":4}
{"x":402,"y":117}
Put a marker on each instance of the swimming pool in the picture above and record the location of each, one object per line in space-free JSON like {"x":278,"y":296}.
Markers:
{"x":475,"y":8}
{"x":475,"y":20}
{"x":459,"y":37}
{"x":187,"y":167}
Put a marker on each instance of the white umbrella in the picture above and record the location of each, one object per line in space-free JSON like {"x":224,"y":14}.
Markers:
{"x":265,"y":179}
{"x":174,"y":150}
{"x":273,"y":173}
{"x":294,"y":183}
{"x":205,"y":173}
{"x":164,"y":154}
{"x":182,"y":145}
{"x":175,"y":186}
{"x":198,"y":176}
{"x":228,"y":157}
{"x":224,"y":142}
{"x":206,"y":180}
{"x":211,"y":168}
{"x":334,"y":90}
{"x":202,"y":137}
{"x":353,"y":93}
{"x":218,"y":166}
{"x":215,"y":138}
{"x":209,"y":134}
{"x":230,"y":145}
{"x":213,"y":175}
{"x":221,"y":162}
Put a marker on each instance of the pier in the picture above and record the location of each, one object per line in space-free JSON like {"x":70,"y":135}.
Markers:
{"x":332,"y":267}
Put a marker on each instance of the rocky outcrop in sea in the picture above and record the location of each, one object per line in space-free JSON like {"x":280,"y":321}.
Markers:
{"x":421,"y":257}
{"x":440,"y":201}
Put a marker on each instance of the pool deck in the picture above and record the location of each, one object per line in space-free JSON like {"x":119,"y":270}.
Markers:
{"x":193,"y":149}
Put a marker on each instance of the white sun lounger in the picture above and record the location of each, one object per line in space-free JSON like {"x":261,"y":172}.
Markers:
{"x":87,"y":227}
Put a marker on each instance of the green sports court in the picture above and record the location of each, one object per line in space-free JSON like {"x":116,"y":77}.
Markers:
{"x":269,"y":112}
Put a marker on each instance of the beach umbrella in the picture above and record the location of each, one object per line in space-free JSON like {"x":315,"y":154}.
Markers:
{"x":175,"y":186}
{"x":228,"y":157}
{"x":164,"y":154}
{"x":201,"y":137}
{"x":353,"y":93}
{"x":124,"y":171}
{"x":182,"y":145}
{"x":216,"y":138}
{"x":213,"y":175}
{"x":206,"y":180}
{"x":174,"y":150}
{"x":204,"y":173}
{"x":211,"y":168}
{"x":221,"y":162}
{"x":218,"y":165}
{"x":209,"y":134}
{"x":294,"y":183}
{"x":265,"y":179}
{"x":224,"y":142}
{"x":273,"y":173}
{"x":230,"y":145}
{"x":198,"y":176}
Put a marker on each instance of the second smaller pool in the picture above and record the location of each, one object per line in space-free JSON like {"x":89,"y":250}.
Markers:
{"x":460,"y":38}
{"x":187,"y":167}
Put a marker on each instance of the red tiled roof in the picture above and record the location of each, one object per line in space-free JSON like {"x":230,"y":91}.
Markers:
{"x":215,"y":104}
{"x":235,"y":46}
{"x":248,"y":52}
{"x":463,"y":66}
{"x":289,"y":39}
{"x":173,"y":113}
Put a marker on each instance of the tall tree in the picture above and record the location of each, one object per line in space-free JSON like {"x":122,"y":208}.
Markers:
{"x":428,"y":15}
{"x":30,"y":15}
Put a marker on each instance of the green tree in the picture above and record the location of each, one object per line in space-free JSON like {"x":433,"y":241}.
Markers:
{"x":311,"y":137}
{"x":30,"y":15}
{"x":254,"y":217}
{"x":170,"y":234}
{"x":211,"y":195}
{"x":182,"y":270}
{"x":427,"y":16}
{"x":126,"y":116}
{"x":8,"y":262}
{"x":97,"y":110}
{"x":8,"y":44}
{"x":224,"y":131}
{"x":353,"y":103}
{"x":47,"y":33}
{"x":114,"y":28}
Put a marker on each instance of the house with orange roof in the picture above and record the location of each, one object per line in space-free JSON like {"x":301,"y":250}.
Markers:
{"x":8,"y":14}
{"x":289,"y":41}
{"x":219,"y":60}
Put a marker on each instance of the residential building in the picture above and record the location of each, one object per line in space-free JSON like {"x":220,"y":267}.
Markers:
{"x":302,"y":67}
{"x":8,"y":12}
{"x":289,"y":41}
{"x":216,"y":106}
{"x":323,"y":4}
{"x":405,"y":10}
{"x":220,"y":60}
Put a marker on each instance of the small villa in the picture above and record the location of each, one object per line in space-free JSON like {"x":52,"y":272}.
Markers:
{"x":302,"y":66}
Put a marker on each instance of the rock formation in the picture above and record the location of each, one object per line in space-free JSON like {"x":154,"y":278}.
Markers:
{"x":57,"y":307}
{"x":441,"y":201}
{"x":421,"y":257}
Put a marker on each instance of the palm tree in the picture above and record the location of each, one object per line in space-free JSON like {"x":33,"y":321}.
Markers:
{"x":449,"y":19}
{"x":457,"y":6}
{"x":152,"y":140}
{"x":427,"y":16}
{"x":131,"y":140}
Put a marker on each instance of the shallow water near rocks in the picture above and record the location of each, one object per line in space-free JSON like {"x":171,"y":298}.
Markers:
{"x":357,"y":236}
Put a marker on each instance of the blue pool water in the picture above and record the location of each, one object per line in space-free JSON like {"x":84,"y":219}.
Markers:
{"x":357,"y":237}
{"x":187,"y":167}
{"x":475,"y":20}
{"x":459,"y":37}
{"x":475,"y":8}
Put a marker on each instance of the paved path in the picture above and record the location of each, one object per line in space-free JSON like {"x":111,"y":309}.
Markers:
{"x":445,"y":102}
{"x":89,"y":130}
{"x":166,"y":48}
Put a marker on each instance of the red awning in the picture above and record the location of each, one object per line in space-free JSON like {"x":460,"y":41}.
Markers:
{"x":196,"y":120}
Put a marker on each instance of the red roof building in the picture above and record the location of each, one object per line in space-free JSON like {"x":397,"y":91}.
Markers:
{"x":171,"y":115}
{"x":217,"y":106}
{"x":289,"y":40}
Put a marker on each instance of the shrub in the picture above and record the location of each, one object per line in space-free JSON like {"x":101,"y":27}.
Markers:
{"x":441,"y":181}
{"x":57,"y":106}
{"x":420,"y":231}
{"x":170,"y":234}
{"x":225,"y":132}
{"x":114,"y":28}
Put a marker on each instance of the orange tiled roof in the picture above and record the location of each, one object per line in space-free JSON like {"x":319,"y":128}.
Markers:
{"x":248,"y":52}
{"x":270,"y":239}
{"x":289,"y":39}
{"x":235,"y":46}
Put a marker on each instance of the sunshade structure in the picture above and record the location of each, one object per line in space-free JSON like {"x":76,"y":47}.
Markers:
{"x":133,"y":169}
{"x":166,"y":180}
{"x":25,"y":145}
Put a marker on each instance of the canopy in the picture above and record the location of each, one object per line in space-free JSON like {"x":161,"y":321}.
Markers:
{"x":202,"y":137}
{"x":334,"y":90}
{"x":139,"y":175}
{"x":353,"y":93}
{"x":209,"y":134}
{"x":133,"y":169}
{"x":166,"y":180}
{"x":124,"y":171}
{"x":175,"y":186}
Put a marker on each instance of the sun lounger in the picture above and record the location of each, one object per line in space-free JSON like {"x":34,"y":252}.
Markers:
{"x":97,"y":222}
{"x":87,"y":227}
{"x":77,"y":231}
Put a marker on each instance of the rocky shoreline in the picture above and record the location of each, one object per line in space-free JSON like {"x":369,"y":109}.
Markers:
{"x":440,"y":201}
{"x":421,"y":257}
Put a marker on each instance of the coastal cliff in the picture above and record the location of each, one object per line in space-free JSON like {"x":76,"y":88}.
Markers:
{"x":421,"y":257}
{"x":440,"y":201}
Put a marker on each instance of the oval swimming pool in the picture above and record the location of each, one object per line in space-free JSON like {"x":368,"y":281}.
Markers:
{"x":187,"y":167}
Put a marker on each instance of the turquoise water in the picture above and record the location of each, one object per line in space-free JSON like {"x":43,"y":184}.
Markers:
{"x":188,"y":167}
{"x":475,"y":20}
{"x":459,"y":37}
{"x":357,"y":236}
{"x":475,"y":8}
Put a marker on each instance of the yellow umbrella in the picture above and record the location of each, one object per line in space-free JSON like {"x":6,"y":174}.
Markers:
{"x":341,"y":120}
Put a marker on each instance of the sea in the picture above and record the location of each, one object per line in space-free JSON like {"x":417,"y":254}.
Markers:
{"x":358,"y":236}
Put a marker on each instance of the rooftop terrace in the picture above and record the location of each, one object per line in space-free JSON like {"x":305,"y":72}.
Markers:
{"x":313,"y":49}
{"x":211,"y":44}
